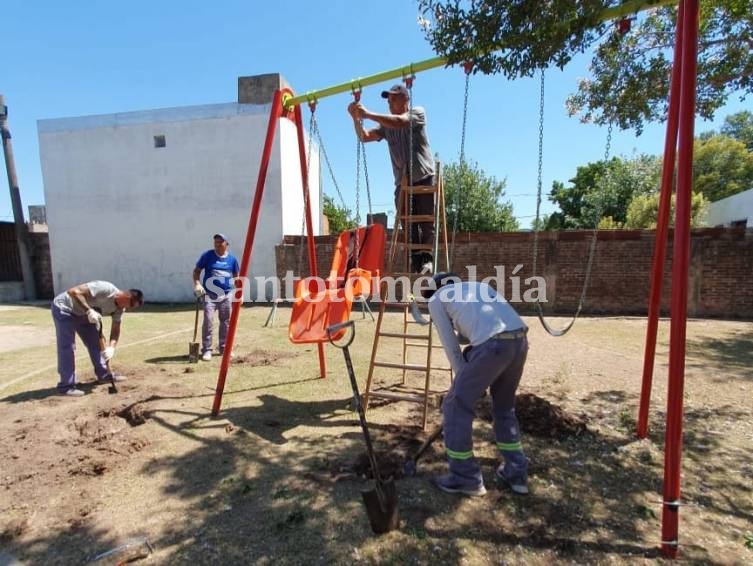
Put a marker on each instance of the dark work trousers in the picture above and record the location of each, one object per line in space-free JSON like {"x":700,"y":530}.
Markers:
{"x":497,"y":365}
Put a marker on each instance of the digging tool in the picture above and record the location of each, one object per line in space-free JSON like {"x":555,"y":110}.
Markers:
{"x":409,"y":468}
{"x":380,"y":502}
{"x":102,"y":344}
{"x":193,"y":347}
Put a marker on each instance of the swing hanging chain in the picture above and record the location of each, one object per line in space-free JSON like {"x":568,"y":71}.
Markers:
{"x":323,"y":151}
{"x":457,"y":200}
{"x":366,"y":181}
{"x":306,"y":187}
{"x":539,"y":180}
{"x":599,"y":210}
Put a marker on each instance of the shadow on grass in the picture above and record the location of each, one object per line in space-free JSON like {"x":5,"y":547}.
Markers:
{"x":259,"y":491}
{"x":733,"y":353}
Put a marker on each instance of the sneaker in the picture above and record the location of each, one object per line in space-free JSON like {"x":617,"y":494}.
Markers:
{"x":450,"y":484}
{"x":232,"y":354}
{"x":110,"y":378}
{"x":427,"y":268}
{"x":517,"y":485}
{"x":71,"y":392}
{"x":207,"y":356}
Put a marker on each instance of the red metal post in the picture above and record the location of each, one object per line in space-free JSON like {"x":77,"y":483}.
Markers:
{"x":274,"y":114}
{"x":680,"y":269}
{"x":313,"y":268}
{"x":662,"y":229}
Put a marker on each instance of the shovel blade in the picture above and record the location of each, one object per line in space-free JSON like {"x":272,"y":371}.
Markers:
{"x":382,"y":511}
{"x":193,"y":352}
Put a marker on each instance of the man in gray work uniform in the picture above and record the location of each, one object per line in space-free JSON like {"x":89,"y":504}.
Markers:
{"x":395,"y":127}
{"x":494,"y":359}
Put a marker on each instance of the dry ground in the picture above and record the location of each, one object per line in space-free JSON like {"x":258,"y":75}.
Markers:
{"x":276,"y":478}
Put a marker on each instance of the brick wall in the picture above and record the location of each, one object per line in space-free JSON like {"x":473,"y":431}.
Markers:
{"x":41,"y":264}
{"x":720,"y":268}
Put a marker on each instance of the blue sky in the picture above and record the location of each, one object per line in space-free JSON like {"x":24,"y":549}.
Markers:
{"x":64,"y":59}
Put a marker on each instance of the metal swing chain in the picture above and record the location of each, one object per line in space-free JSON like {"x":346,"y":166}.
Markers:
{"x":409,"y":221}
{"x":539,"y":182}
{"x":459,"y":201}
{"x":599,"y":210}
{"x":327,"y":162}
{"x":307,"y":191}
{"x":366,"y":182}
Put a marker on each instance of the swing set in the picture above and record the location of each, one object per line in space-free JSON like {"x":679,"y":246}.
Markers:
{"x":359,"y":255}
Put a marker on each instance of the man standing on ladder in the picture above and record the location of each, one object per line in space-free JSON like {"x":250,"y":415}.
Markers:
{"x":403,"y":126}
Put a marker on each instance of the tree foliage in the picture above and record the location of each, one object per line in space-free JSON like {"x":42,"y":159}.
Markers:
{"x":722,"y":167}
{"x":630,"y":71}
{"x":740,"y":127}
{"x":601,"y":191}
{"x":340,"y":218}
{"x":474,"y":200}
{"x":643,"y":211}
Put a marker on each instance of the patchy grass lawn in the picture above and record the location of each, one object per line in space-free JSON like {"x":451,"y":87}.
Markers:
{"x":276,"y":478}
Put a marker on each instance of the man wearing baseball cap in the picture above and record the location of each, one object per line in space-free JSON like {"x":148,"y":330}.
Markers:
{"x":400,"y":127}
{"x":220,"y":270}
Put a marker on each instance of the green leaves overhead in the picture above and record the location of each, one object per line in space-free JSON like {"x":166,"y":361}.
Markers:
{"x":631,"y":68}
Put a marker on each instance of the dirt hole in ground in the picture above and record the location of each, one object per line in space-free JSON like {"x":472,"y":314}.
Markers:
{"x":537,"y":416}
{"x":135,"y":414}
{"x":260,"y":358}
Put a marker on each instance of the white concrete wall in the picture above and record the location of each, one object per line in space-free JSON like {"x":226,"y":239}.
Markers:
{"x":731,"y":209}
{"x":122,"y":210}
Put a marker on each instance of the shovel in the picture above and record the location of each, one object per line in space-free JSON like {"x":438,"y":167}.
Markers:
{"x":193,"y":347}
{"x":411,"y":463}
{"x":112,"y":388}
{"x":380,"y":502}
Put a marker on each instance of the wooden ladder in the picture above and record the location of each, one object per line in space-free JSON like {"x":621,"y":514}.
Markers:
{"x":412,"y":335}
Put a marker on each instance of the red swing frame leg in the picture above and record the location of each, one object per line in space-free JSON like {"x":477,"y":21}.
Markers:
{"x":276,"y":112}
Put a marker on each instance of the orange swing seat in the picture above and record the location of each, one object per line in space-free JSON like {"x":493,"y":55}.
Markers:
{"x":358,"y":258}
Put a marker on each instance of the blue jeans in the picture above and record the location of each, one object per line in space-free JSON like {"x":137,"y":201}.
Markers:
{"x":497,"y":365}
{"x":67,"y":325}
{"x":223,"y":306}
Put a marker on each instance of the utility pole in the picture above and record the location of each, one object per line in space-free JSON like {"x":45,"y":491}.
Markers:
{"x":22,"y":232}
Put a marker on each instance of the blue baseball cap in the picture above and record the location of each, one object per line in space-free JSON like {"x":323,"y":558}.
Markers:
{"x":221,"y":237}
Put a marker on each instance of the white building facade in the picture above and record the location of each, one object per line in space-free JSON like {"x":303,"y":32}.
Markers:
{"x":736,"y":210}
{"x":134,"y":198}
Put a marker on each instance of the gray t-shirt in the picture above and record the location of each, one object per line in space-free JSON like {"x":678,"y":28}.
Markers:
{"x":398,"y":140}
{"x":476,"y":311}
{"x":103,"y":300}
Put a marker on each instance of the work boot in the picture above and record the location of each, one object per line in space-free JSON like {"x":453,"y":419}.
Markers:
{"x":518,"y":483}
{"x":449,"y":483}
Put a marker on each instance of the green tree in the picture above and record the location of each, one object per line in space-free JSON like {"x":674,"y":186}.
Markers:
{"x":474,"y":200}
{"x":630,"y":71}
{"x":722,"y":167}
{"x":740,"y":127}
{"x":643,"y":211}
{"x":601,"y":191}
{"x":340,"y":218}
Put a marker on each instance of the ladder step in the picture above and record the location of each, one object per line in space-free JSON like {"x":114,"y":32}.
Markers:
{"x":415,"y":367}
{"x":404,"y":335}
{"x":418,"y":217}
{"x":421,"y":189}
{"x":397,"y":396}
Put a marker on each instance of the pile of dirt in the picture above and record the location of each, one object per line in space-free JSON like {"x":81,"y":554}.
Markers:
{"x":134,"y":414}
{"x":538,"y":417}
